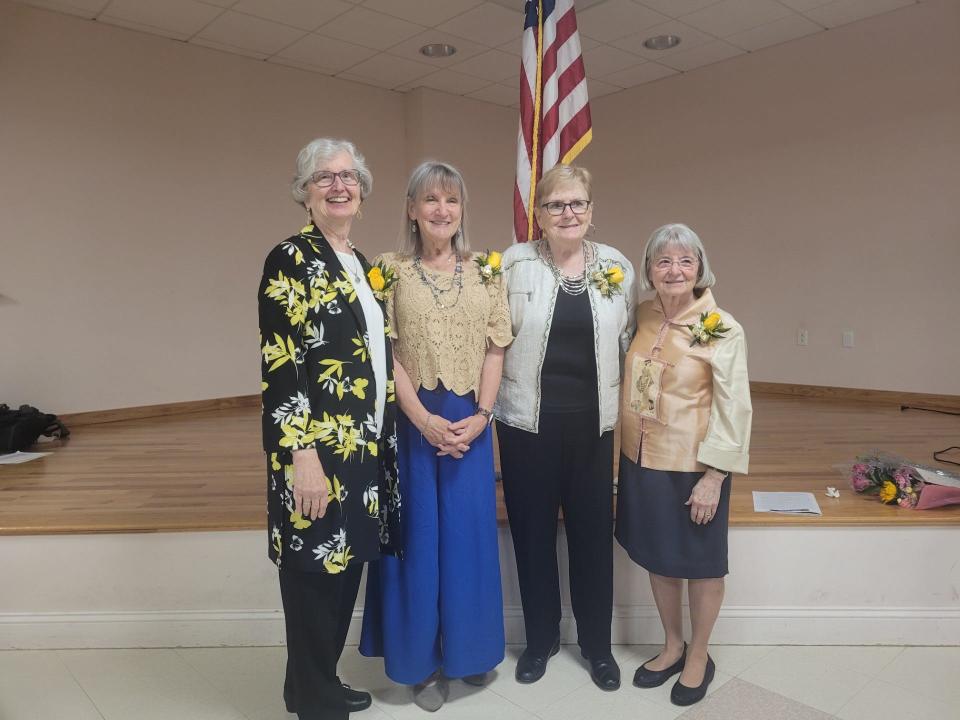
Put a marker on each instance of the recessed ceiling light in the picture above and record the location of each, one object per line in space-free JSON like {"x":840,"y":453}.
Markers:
{"x":438,"y":50}
{"x":661,"y":42}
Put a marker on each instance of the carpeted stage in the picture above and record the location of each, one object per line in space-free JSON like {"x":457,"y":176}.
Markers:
{"x":205,"y":470}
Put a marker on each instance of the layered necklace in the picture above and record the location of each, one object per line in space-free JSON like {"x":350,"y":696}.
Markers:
{"x":435,"y":288}
{"x":571,"y":285}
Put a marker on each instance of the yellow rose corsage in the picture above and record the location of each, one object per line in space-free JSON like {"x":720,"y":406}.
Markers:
{"x":608,"y":280}
{"x":710,"y":326}
{"x":382,"y":278}
{"x":489,"y":265}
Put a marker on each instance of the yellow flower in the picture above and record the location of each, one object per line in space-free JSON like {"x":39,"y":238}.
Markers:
{"x":376,"y":279}
{"x":711,"y":322}
{"x":493,"y":260}
{"x":615,"y":275}
{"x":888,"y":491}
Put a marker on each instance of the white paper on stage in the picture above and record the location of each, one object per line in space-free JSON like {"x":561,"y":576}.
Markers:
{"x":20,"y":457}
{"x":794,"y":503}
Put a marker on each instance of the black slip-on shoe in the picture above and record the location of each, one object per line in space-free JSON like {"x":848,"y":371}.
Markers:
{"x":683,"y":695}
{"x":644,"y":677}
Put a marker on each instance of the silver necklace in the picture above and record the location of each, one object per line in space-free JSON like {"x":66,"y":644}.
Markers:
{"x":435,"y":289}
{"x":353,"y":267}
{"x":571,"y":285}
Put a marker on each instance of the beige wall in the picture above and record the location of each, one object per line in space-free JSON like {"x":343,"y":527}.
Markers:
{"x":143,"y":180}
{"x":824,"y":177}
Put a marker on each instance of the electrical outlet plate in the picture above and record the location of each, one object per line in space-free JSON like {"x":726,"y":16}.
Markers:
{"x":847,"y":338}
{"x":802,"y":336}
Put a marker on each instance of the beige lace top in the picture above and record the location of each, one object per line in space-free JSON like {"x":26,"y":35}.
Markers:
{"x":445,"y":344}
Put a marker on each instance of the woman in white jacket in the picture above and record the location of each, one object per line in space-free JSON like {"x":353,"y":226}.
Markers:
{"x":571,"y":307}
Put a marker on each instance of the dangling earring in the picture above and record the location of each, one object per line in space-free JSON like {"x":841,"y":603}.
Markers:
{"x":591,"y":230}
{"x":309,"y":217}
{"x":359,"y":214}
{"x":413,"y":227}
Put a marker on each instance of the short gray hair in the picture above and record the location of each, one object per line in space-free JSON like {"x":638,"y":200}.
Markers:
{"x":681,"y":236}
{"x":427,"y":176}
{"x":316,"y":153}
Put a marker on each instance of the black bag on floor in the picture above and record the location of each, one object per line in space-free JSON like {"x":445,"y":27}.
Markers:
{"x":19,"y":429}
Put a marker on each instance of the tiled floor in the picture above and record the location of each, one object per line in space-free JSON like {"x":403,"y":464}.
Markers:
{"x":781,"y":683}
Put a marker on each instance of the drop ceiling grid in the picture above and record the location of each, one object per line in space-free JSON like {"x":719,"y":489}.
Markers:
{"x":377,"y":41}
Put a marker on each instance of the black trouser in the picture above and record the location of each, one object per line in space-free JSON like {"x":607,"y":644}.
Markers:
{"x":317,"y":608}
{"x":566,"y":465}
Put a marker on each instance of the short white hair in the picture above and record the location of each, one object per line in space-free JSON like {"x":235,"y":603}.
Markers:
{"x":678,"y":235}
{"x":318,"y":152}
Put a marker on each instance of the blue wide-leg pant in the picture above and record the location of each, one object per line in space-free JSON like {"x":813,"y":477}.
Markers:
{"x":441,"y":606}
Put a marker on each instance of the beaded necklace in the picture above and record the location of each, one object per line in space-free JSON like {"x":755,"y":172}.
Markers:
{"x":435,"y":289}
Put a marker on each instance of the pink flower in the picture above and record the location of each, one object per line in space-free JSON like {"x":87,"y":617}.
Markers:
{"x":902,"y":477}
{"x":859,"y":482}
{"x":860,"y":469}
{"x":907,"y":501}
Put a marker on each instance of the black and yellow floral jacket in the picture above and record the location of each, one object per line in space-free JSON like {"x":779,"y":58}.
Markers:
{"x":319,"y":392}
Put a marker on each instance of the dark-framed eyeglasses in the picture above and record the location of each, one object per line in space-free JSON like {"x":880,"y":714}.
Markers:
{"x":325,"y":178}
{"x":577,"y":207}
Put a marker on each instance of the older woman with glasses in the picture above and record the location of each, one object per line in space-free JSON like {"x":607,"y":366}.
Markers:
{"x":328,"y":425}
{"x":686,"y":417}
{"x":571,"y":305}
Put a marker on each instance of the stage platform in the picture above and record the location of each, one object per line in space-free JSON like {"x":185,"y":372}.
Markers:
{"x":205,"y":471}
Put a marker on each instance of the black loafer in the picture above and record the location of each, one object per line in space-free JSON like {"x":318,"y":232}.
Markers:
{"x":644,"y":677}
{"x":355,"y":700}
{"x":531,"y":667}
{"x":683,"y":695}
{"x":604,"y":672}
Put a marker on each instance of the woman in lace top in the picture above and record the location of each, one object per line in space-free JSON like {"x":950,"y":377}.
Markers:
{"x":438,"y":612}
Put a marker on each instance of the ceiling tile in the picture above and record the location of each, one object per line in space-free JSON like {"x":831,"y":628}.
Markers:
{"x":617,"y":18}
{"x":245,"y":31}
{"x":448,"y":81}
{"x":605,"y":59}
{"x":702,"y":55}
{"x":389,"y":71}
{"x":384,"y":84}
{"x":587,"y":43}
{"x":140,"y":27}
{"x":493,"y":65}
{"x":326,"y":55}
{"x":514,"y":46}
{"x":83,"y":8}
{"x":180,"y":16}
{"x":488,"y":24}
{"x":733,"y":16}
{"x":842,"y":12}
{"x":497,"y":94}
{"x":803,"y":5}
{"x":303,"y":14}
{"x":219,"y":3}
{"x":689,"y":38}
{"x":677,"y":8}
{"x":370,"y":29}
{"x":639,"y":74}
{"x":788,"y":28}
{"x":429,"y":13}
{"x":228,"y":48}
{"x":410,"y":48}
{"x":599,"y":88}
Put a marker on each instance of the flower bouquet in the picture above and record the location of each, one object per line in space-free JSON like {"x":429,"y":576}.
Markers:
{"x":897,"y":481}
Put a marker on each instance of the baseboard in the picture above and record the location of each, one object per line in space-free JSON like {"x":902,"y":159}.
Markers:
{"x":876,"y":397}
{"x":98,"y":417}
{"x":638,"y":624}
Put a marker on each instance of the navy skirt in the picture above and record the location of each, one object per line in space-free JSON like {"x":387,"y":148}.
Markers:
{"x":654,"y":525}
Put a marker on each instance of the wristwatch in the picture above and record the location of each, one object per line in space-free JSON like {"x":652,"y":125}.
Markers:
{"x":485,"y":413}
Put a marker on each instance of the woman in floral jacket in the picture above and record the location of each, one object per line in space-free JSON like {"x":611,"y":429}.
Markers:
{"x":328,"y":425}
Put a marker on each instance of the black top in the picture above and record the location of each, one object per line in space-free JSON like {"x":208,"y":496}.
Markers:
{"x":568,"y":380}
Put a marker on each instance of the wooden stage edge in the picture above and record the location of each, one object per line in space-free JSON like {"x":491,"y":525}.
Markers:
{"x":199,"y":466}
{"x":824,"y":392}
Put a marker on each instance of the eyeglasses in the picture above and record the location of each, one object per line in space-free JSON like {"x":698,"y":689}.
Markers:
{"x":578,"y":207}
{"x":325,"y":178}
{"x":684,"y":263}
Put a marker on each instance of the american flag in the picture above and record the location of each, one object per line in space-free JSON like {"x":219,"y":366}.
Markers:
{"x":554,"y":111}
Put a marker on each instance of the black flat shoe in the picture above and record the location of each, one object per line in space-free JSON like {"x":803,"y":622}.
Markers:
{"x":355,"y":700}
{"x":531,"y":667}
{"x":604,"y":672}
{"x":683,"y":695}
{"x":644,"y":677}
